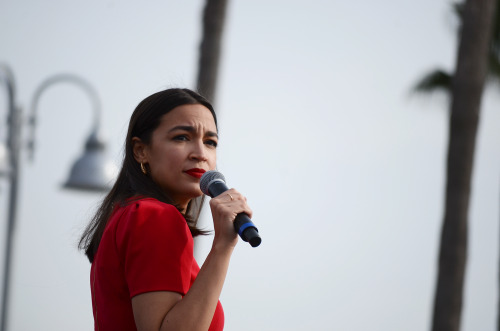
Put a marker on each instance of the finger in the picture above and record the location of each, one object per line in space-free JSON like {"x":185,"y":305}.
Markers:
{"x":241,"y":207}
{"x":235,"y":195}
{"x":224,"y":204}
{"x":230,"y":195}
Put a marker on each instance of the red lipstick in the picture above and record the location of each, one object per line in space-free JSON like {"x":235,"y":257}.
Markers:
{"x":195,"y":172}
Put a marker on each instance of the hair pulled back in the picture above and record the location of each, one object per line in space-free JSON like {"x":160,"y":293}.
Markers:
{"x":131,"y":182}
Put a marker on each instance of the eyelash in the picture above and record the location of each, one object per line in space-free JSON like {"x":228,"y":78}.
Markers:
{"x":211,"y":142}
{"x":181,"y":137}
{"x":184,"y":137}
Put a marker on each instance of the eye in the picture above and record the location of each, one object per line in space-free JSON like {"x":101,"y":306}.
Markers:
{"x":181,"y":137}
{"x":211,"y":142}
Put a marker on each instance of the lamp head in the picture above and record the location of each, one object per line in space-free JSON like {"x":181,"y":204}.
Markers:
{"x":93,"y":171}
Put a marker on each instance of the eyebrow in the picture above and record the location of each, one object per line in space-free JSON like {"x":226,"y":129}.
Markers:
{"x":189,"y":128}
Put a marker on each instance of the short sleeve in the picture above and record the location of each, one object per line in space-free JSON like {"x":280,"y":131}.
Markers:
{"x":155,"y":248}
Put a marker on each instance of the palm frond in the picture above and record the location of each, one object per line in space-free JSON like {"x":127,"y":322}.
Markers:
{"x":495,"y":37}
{"x":494,"y":68}
{"x":458,"y":9}
{"x":433,"y":81}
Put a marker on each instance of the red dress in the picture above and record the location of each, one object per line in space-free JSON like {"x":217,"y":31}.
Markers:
{"x":146,"y":246}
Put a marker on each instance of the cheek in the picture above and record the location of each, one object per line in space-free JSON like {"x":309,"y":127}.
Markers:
{"x":165,"y":163}
{"x":212,"y":162}
{"x":169,"y":156}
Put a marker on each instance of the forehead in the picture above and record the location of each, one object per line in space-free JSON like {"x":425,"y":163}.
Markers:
{"x":196,"y":115}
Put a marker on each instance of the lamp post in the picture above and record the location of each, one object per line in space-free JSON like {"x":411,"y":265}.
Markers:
{"x":91,"y":172}
{"x":12,"y":173}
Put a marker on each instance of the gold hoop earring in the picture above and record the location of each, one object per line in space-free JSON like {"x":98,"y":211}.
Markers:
{"x":143,"y":168}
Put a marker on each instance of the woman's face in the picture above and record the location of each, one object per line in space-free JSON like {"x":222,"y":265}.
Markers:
{"x":182,"y":148}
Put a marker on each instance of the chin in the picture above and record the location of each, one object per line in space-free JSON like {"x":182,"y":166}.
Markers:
{"x":195,"y":193}
{"x":198,"y":195}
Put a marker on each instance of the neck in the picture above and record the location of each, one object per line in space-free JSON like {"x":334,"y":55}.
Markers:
{"x":183,"y":206}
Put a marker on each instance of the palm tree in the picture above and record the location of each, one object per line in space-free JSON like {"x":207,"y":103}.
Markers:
{"x":477,"y":56}
{"x":440,"y":79}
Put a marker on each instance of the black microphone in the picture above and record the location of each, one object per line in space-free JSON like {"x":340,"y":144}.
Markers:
{"x":213,"y":183}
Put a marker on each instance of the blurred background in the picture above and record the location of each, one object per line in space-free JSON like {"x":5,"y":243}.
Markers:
{"x":343,"y":165}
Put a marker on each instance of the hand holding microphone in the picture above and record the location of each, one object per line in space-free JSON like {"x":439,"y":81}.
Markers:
{"x":213,"y":183}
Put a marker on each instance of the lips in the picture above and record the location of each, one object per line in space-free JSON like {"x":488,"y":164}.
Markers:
{"x":195,"y":172}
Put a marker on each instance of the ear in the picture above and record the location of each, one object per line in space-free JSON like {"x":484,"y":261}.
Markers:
{"x":140,"y":150}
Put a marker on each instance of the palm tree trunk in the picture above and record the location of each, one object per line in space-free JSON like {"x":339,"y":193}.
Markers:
{"x":210,"y":47}
{"x":214,"y":15}
{"x":467,"y":89}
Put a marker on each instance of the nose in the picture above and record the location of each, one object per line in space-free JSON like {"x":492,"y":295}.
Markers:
{"x":198,"y":151}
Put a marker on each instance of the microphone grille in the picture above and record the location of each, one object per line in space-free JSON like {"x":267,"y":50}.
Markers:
{"x":208,"y":177}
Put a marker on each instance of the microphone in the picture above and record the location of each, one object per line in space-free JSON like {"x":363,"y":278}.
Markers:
{"x":213,"y":183}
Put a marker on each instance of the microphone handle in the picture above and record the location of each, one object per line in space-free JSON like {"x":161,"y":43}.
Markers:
{"x":243,"y":225}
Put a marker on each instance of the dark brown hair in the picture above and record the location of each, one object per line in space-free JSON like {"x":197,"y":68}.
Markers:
{"x":131,"y":182}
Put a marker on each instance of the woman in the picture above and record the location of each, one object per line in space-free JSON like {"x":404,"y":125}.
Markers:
{"x":140,"y":242}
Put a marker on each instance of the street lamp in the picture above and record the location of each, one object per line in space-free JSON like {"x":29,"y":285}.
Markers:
{"x":91,"y":172}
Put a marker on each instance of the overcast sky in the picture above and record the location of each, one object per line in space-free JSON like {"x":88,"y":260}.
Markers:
{"x":342,"y":165}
